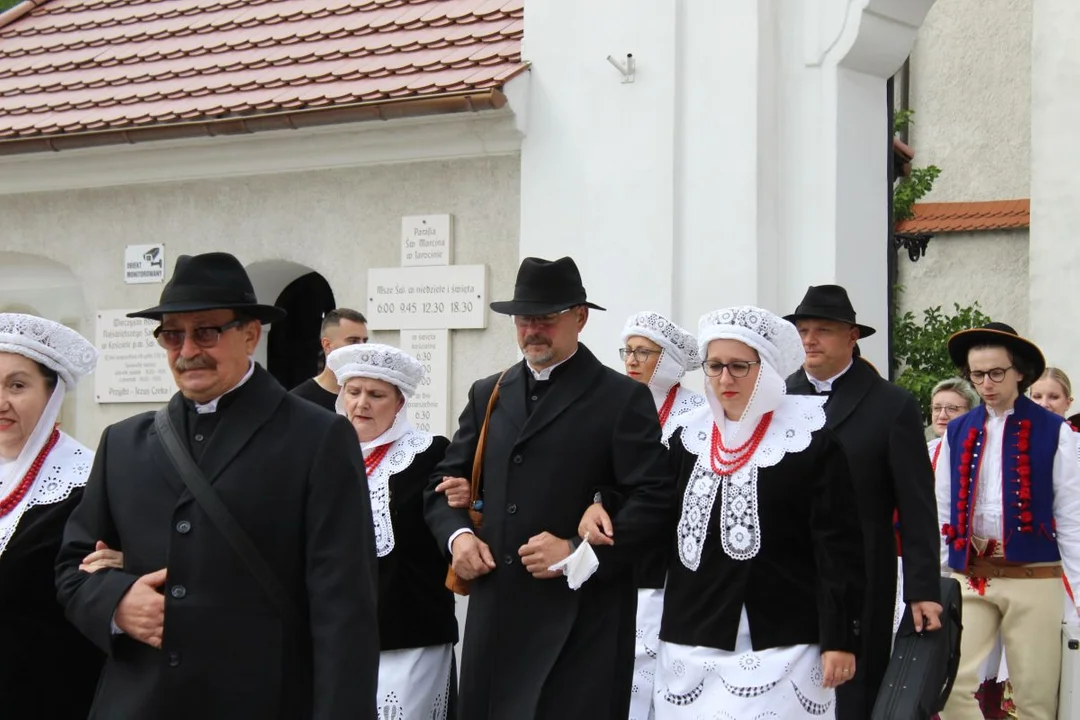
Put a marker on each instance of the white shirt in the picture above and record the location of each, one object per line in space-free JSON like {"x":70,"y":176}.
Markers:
{"x":987,"y":518}
{"x":826,"y":385}
{"x":211,"y":407}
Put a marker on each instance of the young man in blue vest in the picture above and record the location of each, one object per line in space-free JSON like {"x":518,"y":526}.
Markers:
{"x":1008,"y":487}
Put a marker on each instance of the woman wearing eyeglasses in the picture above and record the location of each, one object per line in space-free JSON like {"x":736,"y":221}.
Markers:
{"x":764,"y":594}
{"x":50,"y":670}
{"x":656,"y":352}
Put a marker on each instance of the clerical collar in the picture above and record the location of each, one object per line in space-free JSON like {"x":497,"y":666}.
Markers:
{"x":545,"y":374}
{"x":826,"y":385}
{"x":211,"y":407}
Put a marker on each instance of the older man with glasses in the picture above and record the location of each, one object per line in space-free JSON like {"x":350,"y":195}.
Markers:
{"x":247,"y":585}
{"x":1008,"y":490}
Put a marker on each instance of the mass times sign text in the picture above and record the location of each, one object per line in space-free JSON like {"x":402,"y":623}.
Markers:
{"x":423,"y":298}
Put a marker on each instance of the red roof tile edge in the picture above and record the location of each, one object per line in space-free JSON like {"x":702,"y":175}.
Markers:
{"x":15,"y":12}
{"x":968,"y":216}
{"x":443,"y":104}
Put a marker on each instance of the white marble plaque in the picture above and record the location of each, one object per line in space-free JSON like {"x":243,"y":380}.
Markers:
{"x":426,"y":240}
{"x":429,"y":408}
{"x":144,"y":263}
{"x":131,"y":367}
{"x":418,"y":298}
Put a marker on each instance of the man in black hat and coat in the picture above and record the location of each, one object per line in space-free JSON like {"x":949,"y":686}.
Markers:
{"x":880,"y":427}
{"x":193,"y":626}
{"x":563,"y":428}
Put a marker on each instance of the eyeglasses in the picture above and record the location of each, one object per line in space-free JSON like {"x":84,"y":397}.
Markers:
{"x":542,"y":320}
{"x":640,"y":354}
{"x":997,"y":375}
{"x":736,"y":368}
{"x":947,"y":409}
{"x":204,"y":337}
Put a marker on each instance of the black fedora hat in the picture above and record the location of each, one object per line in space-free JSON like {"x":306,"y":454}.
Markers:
{"x":545,"y":286}
{"x":1002,"y":335}
{"x":211,"y":281}
{"x":828,"y":302}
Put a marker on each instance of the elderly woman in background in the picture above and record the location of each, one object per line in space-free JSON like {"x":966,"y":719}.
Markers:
{"x":949,"y":399}
{"x":50,"y":670}
{"x":765,"y":587}
{"x":417,"y":626}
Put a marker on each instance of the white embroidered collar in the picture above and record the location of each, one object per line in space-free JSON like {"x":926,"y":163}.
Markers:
{"x":686,"y":402}
{"x":66,"y":467}
{"x":400,"y":456}
{"x":793,"y":422}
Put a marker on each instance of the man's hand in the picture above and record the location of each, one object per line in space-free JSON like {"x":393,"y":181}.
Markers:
{"x":839,"y":667}
{"x":596,"y":526}
{"x":927,"y":616}
{"x":472,"y":557}
{"x":457,"y":490}
{"x":102,"y":557}
{"x":541,"y":552}
{"x":141,"y":612}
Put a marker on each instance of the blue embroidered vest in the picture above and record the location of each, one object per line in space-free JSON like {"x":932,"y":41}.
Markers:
{"x":1027,"y":522}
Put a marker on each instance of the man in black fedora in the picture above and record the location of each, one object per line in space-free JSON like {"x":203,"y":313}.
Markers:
{"x":251,"y":594}
{"x":563,"y":428}
{"x":881,"y":429}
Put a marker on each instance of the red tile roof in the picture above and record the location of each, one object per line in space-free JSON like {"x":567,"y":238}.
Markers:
{"x":74,"y":69}
{"x":967,"y":216}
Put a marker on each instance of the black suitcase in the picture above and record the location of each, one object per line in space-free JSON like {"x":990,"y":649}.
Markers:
{"x":923,"y":665}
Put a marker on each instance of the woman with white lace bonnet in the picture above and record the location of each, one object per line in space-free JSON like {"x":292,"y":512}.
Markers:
{"x":417,"y":626}
{"x":765,"y":587}
{"x":50,"y":669}
{"x":658,"y":353}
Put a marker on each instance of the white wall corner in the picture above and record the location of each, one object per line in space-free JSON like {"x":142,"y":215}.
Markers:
{"x":870,"y":36}
{"x":519,"y":98}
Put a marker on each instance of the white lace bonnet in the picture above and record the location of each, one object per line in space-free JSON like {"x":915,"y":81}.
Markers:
{"x":380,"y":362}
{"x":680,"y":345}
{"x":59,"y":348}
{"x":775,"y":339}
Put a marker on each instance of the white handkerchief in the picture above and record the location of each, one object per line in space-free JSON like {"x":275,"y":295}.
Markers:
{"x":579,"y":566}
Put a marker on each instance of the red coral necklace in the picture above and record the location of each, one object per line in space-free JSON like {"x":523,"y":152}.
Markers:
{"x":371,"y":462}
{"x":669,"y":402}
{"x":739,"y":455}
{"x":13,"y":498}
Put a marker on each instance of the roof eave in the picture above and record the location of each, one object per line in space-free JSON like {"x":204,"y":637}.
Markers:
{"x":445,"y":104}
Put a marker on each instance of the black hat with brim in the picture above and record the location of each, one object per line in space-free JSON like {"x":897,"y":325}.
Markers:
{"x":828,"y":302}
{"x":211,"y":281}
{"x":996,"y":334}
{"x":544,"y":287}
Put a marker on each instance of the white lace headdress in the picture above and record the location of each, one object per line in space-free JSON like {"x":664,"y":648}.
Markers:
{"x":679,"y":352}
{"x":71,"y":357}
{"x":389,"y":364}
{"x":794,"y":421}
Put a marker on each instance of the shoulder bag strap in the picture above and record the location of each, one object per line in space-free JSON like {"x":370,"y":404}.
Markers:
{"x":212,"y":505}
{"x":481,"y":443}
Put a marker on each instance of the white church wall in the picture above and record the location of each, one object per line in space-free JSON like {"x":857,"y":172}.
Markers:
{"x":337,"y":222}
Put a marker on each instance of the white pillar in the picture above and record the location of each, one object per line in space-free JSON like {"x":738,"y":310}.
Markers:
{"x":1054,"y":254}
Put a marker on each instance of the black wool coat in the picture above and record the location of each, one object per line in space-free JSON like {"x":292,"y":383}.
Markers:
{"x":881,"y":430}
{"x":293,"y":477}
{"x":534,"y":649}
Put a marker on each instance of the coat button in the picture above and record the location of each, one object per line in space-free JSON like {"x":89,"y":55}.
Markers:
{"x":508,"y":559}
{"x":178,"y":592}
{"x":174,"y":659}
{"x":183,"y":527}
{"x":199,"y":437}
{"x":517,"y":459}
{"x":511,"y":509}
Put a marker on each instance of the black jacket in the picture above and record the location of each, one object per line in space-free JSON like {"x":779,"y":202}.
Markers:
{"x":534,"y":648}
{"x":881,"y":430}
{"x":292,"y":475}
{"x":805,"y":584}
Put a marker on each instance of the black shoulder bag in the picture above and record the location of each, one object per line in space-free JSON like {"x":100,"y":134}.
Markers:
{"x":211,"y":504}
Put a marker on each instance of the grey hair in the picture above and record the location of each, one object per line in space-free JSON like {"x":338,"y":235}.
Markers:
{"x":961,"y":387}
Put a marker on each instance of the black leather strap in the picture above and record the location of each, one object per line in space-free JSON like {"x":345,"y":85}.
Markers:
{"x":212,"y":505}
